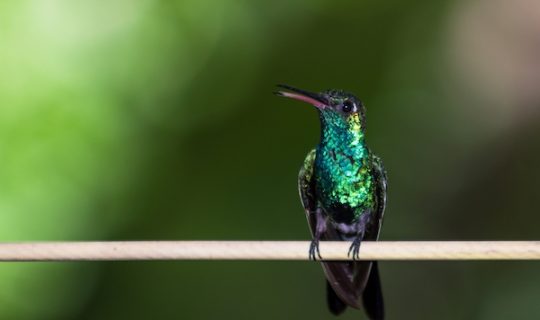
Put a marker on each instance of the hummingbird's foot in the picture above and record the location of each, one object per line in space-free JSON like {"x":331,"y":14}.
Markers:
{"x":354,"y":250}
{"x":314,"y":251}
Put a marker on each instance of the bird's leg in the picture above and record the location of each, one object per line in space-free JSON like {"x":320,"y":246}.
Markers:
{"x":360,"y":228}
{"x":320,"y":228}
{"x":354,"y":249}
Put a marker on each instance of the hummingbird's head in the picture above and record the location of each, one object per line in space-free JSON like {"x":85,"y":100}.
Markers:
{"x":338,"y":109}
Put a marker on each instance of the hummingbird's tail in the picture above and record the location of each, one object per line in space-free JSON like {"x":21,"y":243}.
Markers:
{"x":335,"y":304}
{"x":372,"y":297}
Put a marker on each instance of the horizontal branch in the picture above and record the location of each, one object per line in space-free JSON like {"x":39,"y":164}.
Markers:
{"x":267,"y":250}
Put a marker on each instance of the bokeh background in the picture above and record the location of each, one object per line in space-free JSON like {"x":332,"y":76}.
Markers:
{"x":135,"y":120}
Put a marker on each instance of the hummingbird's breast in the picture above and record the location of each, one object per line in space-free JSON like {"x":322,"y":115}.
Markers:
{"x":344,"y":184}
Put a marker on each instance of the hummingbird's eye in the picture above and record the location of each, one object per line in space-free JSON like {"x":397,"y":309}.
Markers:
{"x":347,"y":106}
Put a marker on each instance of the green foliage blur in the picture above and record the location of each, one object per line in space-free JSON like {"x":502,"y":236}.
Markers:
{"x":135,"y":120}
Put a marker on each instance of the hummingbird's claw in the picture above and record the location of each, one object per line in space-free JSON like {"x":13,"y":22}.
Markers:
{"x":314,"y":251}
{"x":354,"y":249}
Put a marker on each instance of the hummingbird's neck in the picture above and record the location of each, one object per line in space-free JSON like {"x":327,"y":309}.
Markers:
{"x":346,"y":138}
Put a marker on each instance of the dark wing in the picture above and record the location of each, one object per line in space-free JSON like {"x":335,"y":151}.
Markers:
{"x":372,"y":294}
{"x":339,"y":274}
{"x":378,"y":172}
{"x":306,"y":187}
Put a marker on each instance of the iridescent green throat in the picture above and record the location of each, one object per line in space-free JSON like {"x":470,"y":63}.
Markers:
{"x":342,"y":165}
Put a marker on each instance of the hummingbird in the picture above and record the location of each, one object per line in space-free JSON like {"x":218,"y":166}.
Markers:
{"x":342,"y":186}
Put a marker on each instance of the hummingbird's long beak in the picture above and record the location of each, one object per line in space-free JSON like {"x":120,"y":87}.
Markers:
{"x":316,"y":99}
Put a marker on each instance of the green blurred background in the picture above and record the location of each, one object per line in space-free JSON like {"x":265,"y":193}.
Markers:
{"x":123,"y":120}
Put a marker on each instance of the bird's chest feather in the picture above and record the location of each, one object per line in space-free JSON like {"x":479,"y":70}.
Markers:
{"x":344,"y":184}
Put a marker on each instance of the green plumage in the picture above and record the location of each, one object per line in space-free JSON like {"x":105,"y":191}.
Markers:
{"x":343,"y":164}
